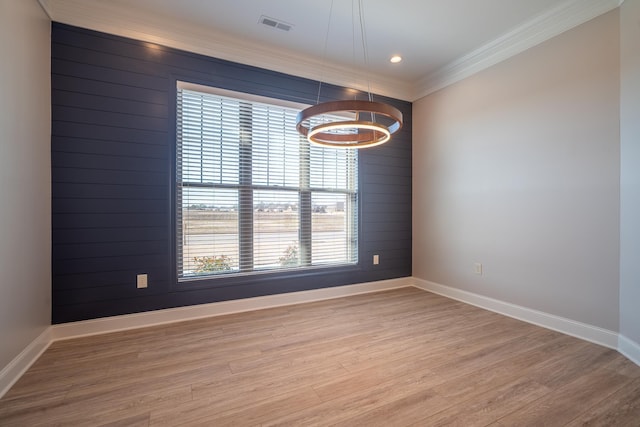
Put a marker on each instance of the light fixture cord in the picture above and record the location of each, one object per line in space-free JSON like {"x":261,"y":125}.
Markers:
{"x":363,"y":35}
{"x":354,"y":58}
{"x":324,"y":53}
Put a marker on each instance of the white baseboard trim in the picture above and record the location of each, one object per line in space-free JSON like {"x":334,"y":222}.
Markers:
{"x":630,"y":349}
{"x":11,"y":373}
{"x":576,"y":329}
{"x":16,"y":368}
{"x":19,"y":365}
{"x":159,"y":317}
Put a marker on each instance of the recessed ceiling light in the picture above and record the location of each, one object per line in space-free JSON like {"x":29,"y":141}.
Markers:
{"x":395,"y":59}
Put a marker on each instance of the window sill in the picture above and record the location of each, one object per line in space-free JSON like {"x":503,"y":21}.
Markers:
{"x":239,"y":279}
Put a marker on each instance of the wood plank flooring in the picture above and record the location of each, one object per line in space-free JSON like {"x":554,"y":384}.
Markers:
{"x":398,"y":358}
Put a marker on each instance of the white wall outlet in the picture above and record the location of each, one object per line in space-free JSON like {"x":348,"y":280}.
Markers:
{"x":141,"y":281}
{"x":477,"y":268}
{"x":376,"y":259}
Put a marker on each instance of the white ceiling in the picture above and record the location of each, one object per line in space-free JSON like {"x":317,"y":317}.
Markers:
{"x":440,"y":41}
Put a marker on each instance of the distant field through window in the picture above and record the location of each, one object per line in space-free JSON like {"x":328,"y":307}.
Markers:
{"x":254,"y":196}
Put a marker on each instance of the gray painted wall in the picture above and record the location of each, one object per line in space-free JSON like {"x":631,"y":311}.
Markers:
{"x":630,"y":171}
{"x":517,"y":167}
{"x":25,"y":176}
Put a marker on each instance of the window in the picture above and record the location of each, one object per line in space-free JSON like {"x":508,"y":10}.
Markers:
{"x":252,"y":194}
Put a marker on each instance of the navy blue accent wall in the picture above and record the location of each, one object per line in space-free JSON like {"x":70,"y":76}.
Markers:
{"x":112,"y":143}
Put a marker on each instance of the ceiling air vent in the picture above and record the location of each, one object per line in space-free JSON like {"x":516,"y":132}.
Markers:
{"x":275,"y":23}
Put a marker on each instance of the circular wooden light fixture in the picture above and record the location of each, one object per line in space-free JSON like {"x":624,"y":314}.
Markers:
{"x":349,"y":133}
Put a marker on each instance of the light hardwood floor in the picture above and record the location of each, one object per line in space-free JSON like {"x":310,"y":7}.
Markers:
{"x":397,"y":358}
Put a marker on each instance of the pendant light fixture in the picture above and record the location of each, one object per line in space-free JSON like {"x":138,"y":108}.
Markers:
{"x":354,"y":123}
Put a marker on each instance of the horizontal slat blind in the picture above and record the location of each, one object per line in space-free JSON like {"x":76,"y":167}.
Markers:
{"x":252,"y":195}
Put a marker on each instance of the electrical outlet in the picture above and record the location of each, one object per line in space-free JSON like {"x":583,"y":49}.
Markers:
{"x":477,"y":268}
{"x":141,"y":281}
{"x":376,"y":259}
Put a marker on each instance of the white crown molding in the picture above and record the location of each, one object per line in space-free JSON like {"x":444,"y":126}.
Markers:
{"x":549,"y":24}
{"x":46,"y":6}
{"x":104,"y":17}
{"x":566,"y":326}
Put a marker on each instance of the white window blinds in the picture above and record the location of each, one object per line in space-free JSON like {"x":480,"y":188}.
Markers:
{"x":252,"y":195}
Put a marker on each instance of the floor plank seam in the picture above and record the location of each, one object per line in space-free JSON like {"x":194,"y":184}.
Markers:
{"x":398,"y":356}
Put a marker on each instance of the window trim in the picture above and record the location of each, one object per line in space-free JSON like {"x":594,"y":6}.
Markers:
{"x":239,"y":278}
{"x":211,"y":90}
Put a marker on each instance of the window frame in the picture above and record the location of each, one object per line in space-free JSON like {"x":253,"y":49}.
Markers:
{"x":259,"y":275}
